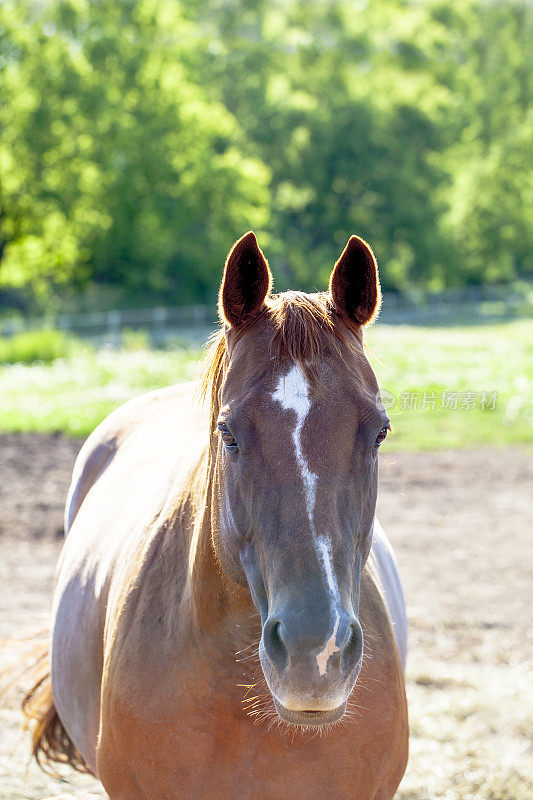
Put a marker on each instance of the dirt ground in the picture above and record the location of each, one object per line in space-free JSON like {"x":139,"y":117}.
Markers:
{"x":461,"y":524}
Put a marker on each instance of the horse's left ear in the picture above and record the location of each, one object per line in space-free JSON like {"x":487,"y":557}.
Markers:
{"x":354,"y":283}
{"x":246,"y":283}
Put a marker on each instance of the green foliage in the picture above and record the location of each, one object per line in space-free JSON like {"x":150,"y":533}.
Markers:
{"x":422,"y":369}
{"x":31,"y":346}
{"x":139,"y":139}
{"x":135,"y":340}
{"x":74,"y":394}
{"x":117,"y":167}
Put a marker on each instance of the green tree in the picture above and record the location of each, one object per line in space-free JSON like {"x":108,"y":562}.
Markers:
{"x":490,"y":192}
{"x":140,"y":138}
{"x":115,"y":166}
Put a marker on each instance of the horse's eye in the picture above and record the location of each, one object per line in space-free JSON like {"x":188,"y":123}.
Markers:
{"x":382,"y":435}
{"x":227,"y":438}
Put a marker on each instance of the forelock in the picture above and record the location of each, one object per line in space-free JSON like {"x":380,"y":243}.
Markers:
{"x":304,"y":329}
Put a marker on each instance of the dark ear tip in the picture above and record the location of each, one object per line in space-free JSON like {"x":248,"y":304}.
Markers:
{"x":246,"y":244}
{"x":248,"y":240}
{"x":356,"y":243}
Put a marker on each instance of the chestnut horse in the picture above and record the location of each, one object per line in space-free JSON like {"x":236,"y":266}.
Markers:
{"x":193,"y":539}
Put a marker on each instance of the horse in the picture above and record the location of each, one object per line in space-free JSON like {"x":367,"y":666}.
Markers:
{"x":228,"y":619}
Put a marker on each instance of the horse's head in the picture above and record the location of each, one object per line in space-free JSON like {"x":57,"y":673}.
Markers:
{"x":297,"y":426}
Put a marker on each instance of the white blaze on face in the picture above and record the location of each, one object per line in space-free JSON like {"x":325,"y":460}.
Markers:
{"x":292,"y":392}
{"x":324,"y":551}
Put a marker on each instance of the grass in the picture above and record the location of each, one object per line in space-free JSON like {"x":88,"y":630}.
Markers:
{"x":29,"y":347}
{"x":73,"y":395}
{"x":484,"y":365}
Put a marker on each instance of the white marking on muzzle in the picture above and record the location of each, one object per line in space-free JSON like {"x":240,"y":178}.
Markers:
{"x":292,"y":392}
{"x":330,"y":648}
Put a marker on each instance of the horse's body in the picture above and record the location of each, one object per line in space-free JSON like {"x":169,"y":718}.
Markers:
{"x":148,"y":617}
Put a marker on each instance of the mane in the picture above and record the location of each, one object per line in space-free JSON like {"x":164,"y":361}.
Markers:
{"x":304,"y":329}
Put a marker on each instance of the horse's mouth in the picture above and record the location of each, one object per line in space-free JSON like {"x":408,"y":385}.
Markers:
{"x":309,"y":718}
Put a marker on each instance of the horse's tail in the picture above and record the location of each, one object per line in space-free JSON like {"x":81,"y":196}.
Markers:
{"x":50,"y":742}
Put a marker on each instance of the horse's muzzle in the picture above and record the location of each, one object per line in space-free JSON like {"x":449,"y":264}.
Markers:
{"x":309,"y":671}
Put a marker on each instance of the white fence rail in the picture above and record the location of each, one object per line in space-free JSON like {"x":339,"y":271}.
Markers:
{"x":194,"y":323}
{"x":187,"y":322}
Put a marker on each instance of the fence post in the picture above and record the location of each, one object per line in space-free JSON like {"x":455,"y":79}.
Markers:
{"x":114,"y":321}
{"x":159,"y":316}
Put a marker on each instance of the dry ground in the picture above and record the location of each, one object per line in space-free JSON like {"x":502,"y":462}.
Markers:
{"x":461,"y":523}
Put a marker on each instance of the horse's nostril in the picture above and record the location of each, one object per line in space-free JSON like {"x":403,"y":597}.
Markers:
{"x":353,"y":649}
{"x":276,"y":639}
{"x":274,"y":644}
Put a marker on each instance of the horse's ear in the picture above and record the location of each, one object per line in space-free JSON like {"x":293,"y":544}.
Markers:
{"x":354,"y":283}
{"x":246,"y":283}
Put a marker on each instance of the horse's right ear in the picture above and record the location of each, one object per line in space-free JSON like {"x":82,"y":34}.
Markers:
{"x":246,"y":283}
{"x":354,"y":283}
